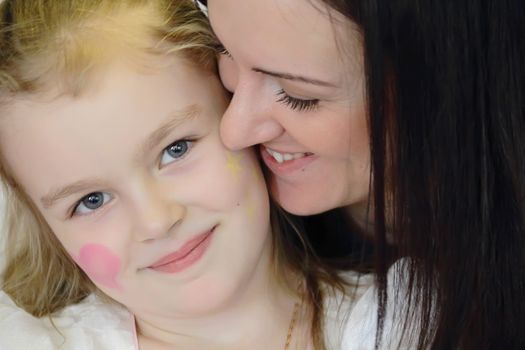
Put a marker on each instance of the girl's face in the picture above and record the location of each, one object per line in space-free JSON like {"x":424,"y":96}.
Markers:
{"x":133,"y":179}
{"x":296,"y":73}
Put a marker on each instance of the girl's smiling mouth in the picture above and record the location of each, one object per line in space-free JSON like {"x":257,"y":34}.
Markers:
{"x":186,"y":256}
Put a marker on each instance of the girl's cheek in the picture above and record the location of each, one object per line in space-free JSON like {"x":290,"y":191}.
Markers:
{"x":100,"y":264}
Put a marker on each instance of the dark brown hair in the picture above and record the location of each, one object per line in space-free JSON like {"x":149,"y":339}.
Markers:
{"x":446,"y":112}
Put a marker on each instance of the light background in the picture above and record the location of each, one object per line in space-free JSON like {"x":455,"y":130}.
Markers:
{"x":1,"y":228}
{"x":2,"y":205}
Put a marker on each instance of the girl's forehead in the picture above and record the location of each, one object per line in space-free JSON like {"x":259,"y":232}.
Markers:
{"x":167,"y":83}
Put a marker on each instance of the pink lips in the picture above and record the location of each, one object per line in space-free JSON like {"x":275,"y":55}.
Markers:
{"x":286,"y":168}
{"x":186,"y":256}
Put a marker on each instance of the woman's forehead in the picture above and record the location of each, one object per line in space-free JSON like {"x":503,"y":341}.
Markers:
{"x":286,"y":36}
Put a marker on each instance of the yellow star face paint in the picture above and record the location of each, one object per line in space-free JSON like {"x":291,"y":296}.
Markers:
{"x":233,"y":163}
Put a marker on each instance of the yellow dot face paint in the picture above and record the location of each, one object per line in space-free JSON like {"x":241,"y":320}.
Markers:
{"x":250,"y":207}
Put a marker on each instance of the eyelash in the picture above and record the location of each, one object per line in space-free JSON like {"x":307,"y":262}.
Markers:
{"x":106,"y":197}
{"x":73,"y":210}
{"x":293,"y":102}
{"x":189,"y":144}
{"x":297,"y":104}
{"x":221,"y":50}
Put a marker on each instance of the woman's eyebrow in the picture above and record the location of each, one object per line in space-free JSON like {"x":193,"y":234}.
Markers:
{"x":293,"y":77}
{"x":286,"y":76}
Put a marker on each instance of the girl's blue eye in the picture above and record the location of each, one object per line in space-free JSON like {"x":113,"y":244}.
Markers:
{"x":91,"y":202}
{"x":175,"y":151}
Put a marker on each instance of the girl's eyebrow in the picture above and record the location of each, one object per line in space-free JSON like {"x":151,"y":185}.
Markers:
{"x":55,"y":195}
{"x":173,"y":121}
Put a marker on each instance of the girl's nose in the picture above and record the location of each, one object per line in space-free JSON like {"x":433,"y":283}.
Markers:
{"x":157,"y":215}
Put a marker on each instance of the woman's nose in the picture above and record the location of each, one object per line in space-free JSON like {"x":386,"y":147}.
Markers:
{"x":248,"y":120}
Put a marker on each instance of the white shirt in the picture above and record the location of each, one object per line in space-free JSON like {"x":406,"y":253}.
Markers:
{"x":93,"y":324}
{"x":351,"y":318}
{"x":89,"y":325}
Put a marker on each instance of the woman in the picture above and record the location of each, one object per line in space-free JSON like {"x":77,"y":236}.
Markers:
{"x":409,"y":118}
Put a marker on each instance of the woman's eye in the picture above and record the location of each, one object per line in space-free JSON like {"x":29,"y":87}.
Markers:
{"x":175,"y":151}
{"x":91,"y":202}
{"x":297,"y":103}
{"x":221,"y":50}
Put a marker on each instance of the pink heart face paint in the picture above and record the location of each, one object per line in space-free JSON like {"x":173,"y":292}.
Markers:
{"x":100,"y":264}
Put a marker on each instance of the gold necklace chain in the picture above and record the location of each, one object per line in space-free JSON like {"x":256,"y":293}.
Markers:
{"x":292,"y":325}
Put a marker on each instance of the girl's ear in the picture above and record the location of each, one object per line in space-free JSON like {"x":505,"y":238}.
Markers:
{"x":201,"y":4}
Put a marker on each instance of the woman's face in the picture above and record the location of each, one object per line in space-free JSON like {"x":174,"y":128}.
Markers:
{"x":295,"y":69}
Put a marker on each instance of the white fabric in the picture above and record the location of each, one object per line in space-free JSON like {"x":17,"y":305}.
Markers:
{"x":350,"y":323}
{"x":89,"y":325}
{"x":351,"y":319}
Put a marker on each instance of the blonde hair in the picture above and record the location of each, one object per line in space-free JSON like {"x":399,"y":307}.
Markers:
{"x":63,"y":42}
{"x":60,"y":44}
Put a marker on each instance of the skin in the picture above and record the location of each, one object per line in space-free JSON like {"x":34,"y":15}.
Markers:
{"x":100,"y":264}
{"x":301,"y":41}
{"x":152,"y":203}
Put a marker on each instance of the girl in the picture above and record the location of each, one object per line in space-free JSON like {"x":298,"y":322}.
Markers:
{"x":120,"y":193}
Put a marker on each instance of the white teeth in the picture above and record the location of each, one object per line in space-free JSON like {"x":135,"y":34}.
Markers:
{"x":278,"y":157}
{"x":283,"y":157}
